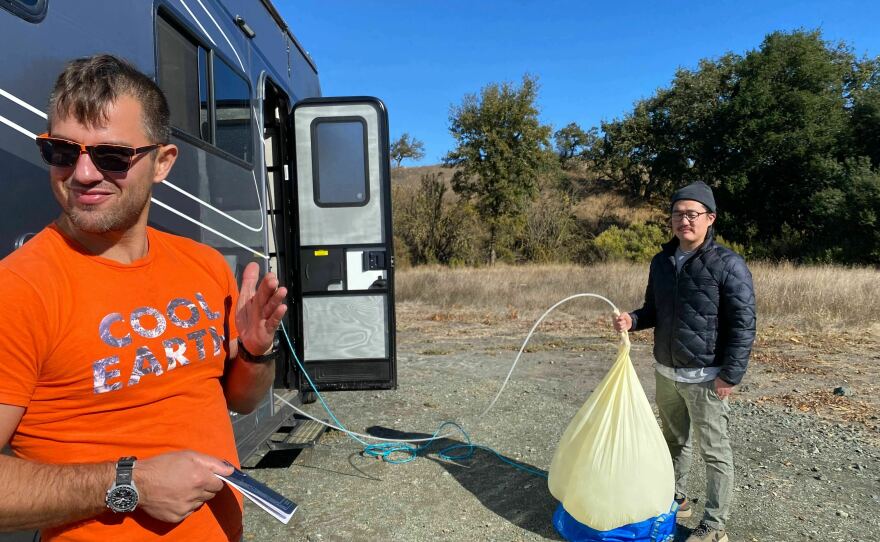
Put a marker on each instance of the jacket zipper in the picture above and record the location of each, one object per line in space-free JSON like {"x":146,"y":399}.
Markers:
{"x":674,"y":307}
{"x":675,"y":293}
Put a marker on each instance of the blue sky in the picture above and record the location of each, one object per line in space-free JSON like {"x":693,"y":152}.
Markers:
{"x":593,"y":59}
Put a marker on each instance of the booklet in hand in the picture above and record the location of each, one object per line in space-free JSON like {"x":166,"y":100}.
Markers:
{"x":280,"y":507}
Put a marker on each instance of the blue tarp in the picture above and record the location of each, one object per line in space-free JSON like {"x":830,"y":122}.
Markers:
{"x":657,"y":529}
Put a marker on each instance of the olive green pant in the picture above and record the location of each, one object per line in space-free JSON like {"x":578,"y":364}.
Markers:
{"x":696,"y":406}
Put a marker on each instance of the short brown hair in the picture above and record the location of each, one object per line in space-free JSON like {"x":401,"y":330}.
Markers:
{"x":87,"y":87}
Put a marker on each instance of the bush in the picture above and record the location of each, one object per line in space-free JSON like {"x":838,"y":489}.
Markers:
{"x":549,"y":232}
{"x":637,"y":243}
{"x":640,"y":242}
{"x":431,"y":227}
{"x":739,"y":248}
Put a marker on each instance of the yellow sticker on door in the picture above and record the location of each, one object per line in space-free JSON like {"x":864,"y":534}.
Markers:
{"x":322,"y":252}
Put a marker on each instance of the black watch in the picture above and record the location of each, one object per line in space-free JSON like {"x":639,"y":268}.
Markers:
{"x":123,"y":495}
{"x":247,"y":356}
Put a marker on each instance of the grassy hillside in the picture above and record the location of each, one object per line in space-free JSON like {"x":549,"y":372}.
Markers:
{"x":596,"y":203}
{"x":410,"y":176}
{"x":562,"y":224}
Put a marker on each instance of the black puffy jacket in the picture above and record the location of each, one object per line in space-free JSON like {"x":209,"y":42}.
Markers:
{"x":703,"y":316}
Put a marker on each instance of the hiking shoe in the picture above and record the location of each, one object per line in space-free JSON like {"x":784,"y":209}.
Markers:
{"x":684,"y":508}
{"x":704,"y":533}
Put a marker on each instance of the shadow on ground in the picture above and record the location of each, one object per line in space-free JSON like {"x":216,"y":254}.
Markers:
{"x":518,"y":496}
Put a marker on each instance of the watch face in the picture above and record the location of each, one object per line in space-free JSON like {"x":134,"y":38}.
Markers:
{"x":122,"y":499}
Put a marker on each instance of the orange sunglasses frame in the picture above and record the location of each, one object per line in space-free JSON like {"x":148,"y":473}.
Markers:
{"x":87,"y":149}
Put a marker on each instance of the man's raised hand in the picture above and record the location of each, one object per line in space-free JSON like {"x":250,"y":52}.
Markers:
{"x":260,"y":309}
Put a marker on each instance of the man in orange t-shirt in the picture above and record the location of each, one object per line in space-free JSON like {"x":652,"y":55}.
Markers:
{"x":122,"y":347}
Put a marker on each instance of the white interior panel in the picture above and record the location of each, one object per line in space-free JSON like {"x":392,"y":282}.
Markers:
{"x":342,"y":327}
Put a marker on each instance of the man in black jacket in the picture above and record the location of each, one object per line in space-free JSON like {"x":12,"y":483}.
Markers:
{"x":701,"y":304}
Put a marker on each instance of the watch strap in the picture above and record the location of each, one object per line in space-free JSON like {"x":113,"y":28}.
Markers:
{"x":244,"y":354}
{"x":124,"y":468}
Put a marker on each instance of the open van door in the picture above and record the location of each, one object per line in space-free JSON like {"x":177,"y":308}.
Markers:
{"x":343,"y":275}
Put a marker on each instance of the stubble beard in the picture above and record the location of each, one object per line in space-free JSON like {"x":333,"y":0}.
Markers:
{"x":121,"y":217}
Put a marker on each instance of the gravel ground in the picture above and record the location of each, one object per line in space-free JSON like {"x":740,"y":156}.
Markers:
{"x":807,"y":460}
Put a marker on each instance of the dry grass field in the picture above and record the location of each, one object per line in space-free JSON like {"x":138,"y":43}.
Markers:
{"x":805,"y":297}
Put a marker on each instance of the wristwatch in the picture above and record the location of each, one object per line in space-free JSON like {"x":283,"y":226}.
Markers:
{"x":123,"y":495}
{"x":252,"y":358}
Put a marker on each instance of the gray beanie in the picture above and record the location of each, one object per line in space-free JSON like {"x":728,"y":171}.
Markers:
{"x":698,"y":191}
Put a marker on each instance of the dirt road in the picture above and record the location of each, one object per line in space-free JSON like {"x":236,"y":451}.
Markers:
{"x":808,"y":461}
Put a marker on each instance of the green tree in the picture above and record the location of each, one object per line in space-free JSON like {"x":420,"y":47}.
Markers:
{"x":407,"y":147}
{"x":501,"y":147}
{"x":790,"y":126}
{"x":770,"y":130}
{"x":848,"y":209}
{"x":672,"y":137}
{"x":866,"y":124}
{"x":572,"y":141}
{"x":627,"y":152}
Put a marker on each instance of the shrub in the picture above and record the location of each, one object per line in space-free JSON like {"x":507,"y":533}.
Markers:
{"x":549,"y":232}
{"x":636,"y":243}
{"x":431,"y":227}
{"x":739,"y":248}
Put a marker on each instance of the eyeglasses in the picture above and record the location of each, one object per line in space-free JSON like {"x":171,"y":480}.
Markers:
{"x":691,"y":216}
{"x":110,"y":158}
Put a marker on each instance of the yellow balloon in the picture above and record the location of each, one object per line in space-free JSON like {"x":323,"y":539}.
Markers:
{"x":612,"y":467}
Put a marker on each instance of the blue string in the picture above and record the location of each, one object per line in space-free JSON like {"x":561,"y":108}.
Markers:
{"x":398,"y":453}
{"x":387,"y":450}
{"x":315,"y":389}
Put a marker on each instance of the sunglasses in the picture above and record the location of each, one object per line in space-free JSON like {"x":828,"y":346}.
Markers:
{"x":109,"y":158}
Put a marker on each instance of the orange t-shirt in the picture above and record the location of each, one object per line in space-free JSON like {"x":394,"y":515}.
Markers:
{"x":111,"y":360}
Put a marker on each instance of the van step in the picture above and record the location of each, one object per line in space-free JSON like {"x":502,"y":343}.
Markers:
{"x":297,"y":434}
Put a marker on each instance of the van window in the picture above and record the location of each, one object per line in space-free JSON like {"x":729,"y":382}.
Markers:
{"x":339,"y":161}
{"x":232,"y":103}
{"x":183,"y":76}
{"x":32,"y":11}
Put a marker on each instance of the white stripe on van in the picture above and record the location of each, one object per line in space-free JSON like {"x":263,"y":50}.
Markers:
{"x":240,"y":63}
{"x":198,"y":22}
{"x":202,"y":202}
{"x":14,"y":126}
{"x":209,"y":228}
{"x":23,"y":103}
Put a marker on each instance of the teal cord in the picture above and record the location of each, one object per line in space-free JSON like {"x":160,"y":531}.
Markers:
{"x":398,"y":453}
{"x":315,"y":389}
{"x":387,"y":450}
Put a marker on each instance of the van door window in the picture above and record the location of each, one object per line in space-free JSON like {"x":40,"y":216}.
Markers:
{"x":339,"y":162}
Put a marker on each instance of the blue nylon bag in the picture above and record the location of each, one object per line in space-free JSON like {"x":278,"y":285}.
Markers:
{"x":656,"y":529}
